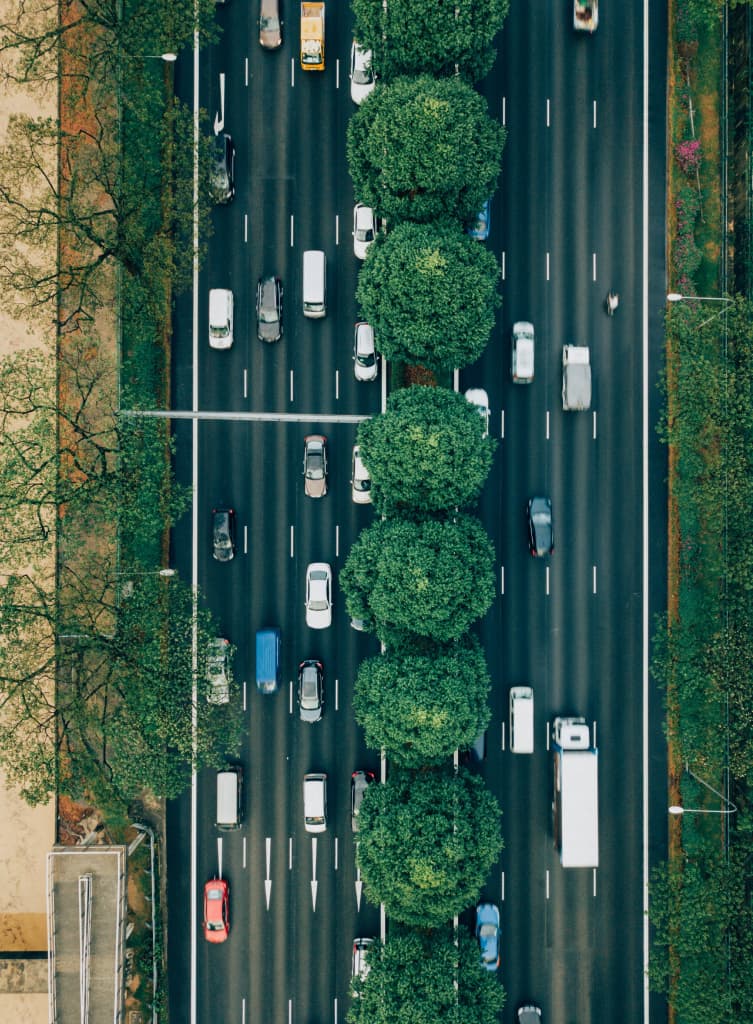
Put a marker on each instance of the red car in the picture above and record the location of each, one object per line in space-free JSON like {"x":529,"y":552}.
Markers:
{"x":216,"y":910}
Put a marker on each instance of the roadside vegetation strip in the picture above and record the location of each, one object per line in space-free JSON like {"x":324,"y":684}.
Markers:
{"x":701,"y":952}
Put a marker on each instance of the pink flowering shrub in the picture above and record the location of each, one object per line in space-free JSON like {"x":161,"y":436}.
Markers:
{"x":688,"y":155}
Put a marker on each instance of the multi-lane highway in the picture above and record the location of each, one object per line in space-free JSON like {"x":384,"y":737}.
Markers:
{"x":568,"y":223}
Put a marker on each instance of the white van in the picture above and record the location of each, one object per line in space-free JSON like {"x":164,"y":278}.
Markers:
{"x":220,"y":318}
{"x":315,"y":802}
{"x":314,"y":283}
{"x":521,"y":720}
{"x":229,"y":797}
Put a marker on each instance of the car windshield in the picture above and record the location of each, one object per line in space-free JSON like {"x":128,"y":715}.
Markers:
{"x":365,"y":234}
{"x":365,"y":358}
{"x":314,"y":465}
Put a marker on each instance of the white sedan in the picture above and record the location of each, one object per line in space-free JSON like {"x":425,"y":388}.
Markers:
{"x":362,"y":78}
{"x":365,"y":365}
{"x":318,"y":595}
{"x":364,"y":229}
{"x":479,"y":398}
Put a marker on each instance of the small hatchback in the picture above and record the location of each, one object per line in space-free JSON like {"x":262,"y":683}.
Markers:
{"x":360,"y":479}
{"x":479,"y":398}
{"x":310,"y":690}
{"x":360,"y":781}
{"x":487,"y":933}
{"x":365,"y":365}
{"x":222,"y":169}
{"x":522,"y":352}
{"x":269,"y":309}
{"x":362,"y":78}
{"x":270,"y":25}
{"x":218,"y":671}
{"x":364,"y":229}
{"x":540,"y":527}
{"x":315,"y":465}
{"x":223,"y":534}
{"x":216,"y":910}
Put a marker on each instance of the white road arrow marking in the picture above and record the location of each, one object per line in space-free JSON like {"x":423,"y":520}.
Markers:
{"x":359,"y":883}
{"x":314,"y":883}
{"x":267,"y":879}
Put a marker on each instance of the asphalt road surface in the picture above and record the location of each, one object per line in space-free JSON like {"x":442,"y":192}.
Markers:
{"x":567,"y":224}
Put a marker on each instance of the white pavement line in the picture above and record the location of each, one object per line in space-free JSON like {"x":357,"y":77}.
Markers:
{"x":290,"y":697}
{"x":337,"y":540}
{"x":594,"y":578}
{"x":337,"y":694}
{"x":267,"y":879}
{"x":502,"y":425}
{"x":195,"y":520}
{"x":292,"y":541}
{"x":245,"y":706}
{"x":549,"y":113}
{"x":334,"y":1009}
{"x":547,"y":266}
{"x":245,"y":62}
{"x":290,"y":1011}
{"x":290,"y":853}
{"x":243,"y":1010}
{"x":594,"y":883}
{"x":456,"y":380}
{"x":502,"y":736}
{"x":244,"y":852}
{"x":547,"y":883}
{"x":337,"y":384}
{"x":595,"y":432}
{"x":593,"y":266}
{"x":292,"y":231}
{"x":245,"y":382}
{"x":596,"y":122}
{"x":645,"y":562}
{"x":359,"y":883}
{"x":547,"y":581}
{"x":547,"y":425}
{"x":384,"y":386}
{"x":504,"y":110}
{"x":245,"y":538}
{"x":546,"y":726}
{"x":504,"y":263}
{"x":337,"y":73}
{"x":292,"y":72}
{"x":292,"y":386}
{"x":502,"y":887}
{"x":314,"y":880}
{"x":337,"y":229}
{"x":219,"y":856}
{"x":245,"y":227}
{"x":501,"y":579}
{"x":337,"y":851}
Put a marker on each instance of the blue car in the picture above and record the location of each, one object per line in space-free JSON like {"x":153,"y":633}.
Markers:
{"x":479,"y":229}
{"x":488,"y":934}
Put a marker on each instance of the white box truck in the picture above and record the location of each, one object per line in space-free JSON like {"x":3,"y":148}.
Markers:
{"x":576,"y":378}
{"x":576,"y":794}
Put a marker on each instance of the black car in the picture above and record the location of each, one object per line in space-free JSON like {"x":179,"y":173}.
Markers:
{"x":310,"y":690}
{"x":223,"y":534}
{"x":222,"y":168}
{"x":360,"y":780}
{"x":269,"y":309}
{"x":540,"y":527}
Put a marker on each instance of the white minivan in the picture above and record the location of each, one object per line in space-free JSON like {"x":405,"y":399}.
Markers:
{"x":315,"y":802}
{"x":314,"y":283}
{"x":229,"y":797}
{"x":220,"y":318}
{"x":521,"y":720}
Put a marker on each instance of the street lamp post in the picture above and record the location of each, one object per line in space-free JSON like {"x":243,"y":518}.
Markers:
{"x":676,"y":297}
{"x":168,"y":58}
{"x":677,"y":809}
